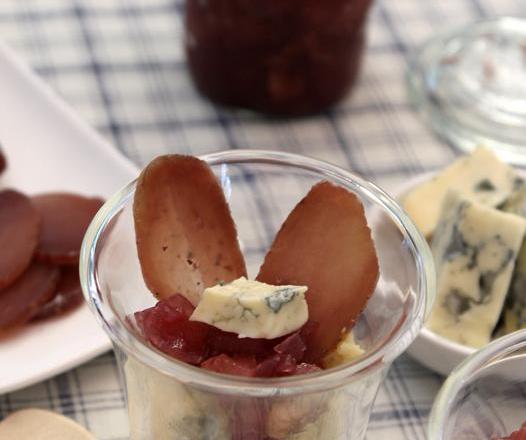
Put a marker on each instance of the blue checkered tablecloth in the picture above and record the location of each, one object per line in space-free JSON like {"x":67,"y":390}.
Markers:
{"x":120,"y":64}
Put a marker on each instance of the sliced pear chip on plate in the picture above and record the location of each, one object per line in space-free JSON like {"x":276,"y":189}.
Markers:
{"x":3,"y":161}
{"x":65,"y":218}
{"x":22,"y":300}
{"x":19,"y":229}
{"x":67,"y":296}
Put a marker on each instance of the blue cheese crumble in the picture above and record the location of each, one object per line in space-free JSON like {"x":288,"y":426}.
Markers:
{"x":253,"y":309}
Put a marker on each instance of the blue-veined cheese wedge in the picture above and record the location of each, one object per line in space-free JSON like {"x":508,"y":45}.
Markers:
{"x":480,"y":177}
{"x":475,"y":248}
{"x":514,"y":313}
{"x":253,"y":309}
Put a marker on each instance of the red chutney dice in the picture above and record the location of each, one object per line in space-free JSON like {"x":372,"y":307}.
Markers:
{"x":292,"y":345}
{"x":516,"y":435}
{"x":229,"y":343}
{"x":166,"y":326}
{"x":237,"y":365}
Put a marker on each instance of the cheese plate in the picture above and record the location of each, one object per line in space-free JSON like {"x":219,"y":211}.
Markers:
{"x":429,"y":348}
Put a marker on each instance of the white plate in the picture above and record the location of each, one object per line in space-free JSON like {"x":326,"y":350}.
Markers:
{"x":435,"y":352}
{"x":49,"y":148}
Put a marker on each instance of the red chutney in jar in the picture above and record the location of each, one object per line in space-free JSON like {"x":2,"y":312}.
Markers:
{"x":287,"y":57}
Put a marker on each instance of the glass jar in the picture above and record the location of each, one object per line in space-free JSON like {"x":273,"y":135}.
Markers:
{"x":286,"y":57}
{"x":169,"y":399}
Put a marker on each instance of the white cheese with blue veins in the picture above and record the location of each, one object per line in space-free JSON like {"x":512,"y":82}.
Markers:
{"x":480,"y":177}
{"x":253,"y":309}
{"x":514,"y":313}
{"x":475,"y":248}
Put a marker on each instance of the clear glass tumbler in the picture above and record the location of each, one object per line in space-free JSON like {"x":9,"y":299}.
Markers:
{"x":169,"y":399}
{"x":484,"y":398}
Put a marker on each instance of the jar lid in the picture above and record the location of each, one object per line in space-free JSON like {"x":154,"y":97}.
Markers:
{"x":470,"y":85}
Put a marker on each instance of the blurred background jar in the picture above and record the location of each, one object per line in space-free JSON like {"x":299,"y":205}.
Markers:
{"x":284,"y":57}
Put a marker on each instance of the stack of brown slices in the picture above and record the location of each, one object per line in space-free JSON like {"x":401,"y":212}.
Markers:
{"x":40,"y":239}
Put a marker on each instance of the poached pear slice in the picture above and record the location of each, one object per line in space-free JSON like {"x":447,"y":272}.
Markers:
{"x":21,"y":301}
{"x":65,"y":218}
{"x":186,"y":238}
{"x":325,"y":244}
{"x":68,"y":295}
{"x":19,"y":231}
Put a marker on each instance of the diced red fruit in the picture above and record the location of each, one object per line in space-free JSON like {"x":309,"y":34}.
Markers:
{"x":292,"y":345}
{"x":230,"y":343}
{"x":238,"y":365}
{"x":181,"y":307}
{"x":284,"y":361}
{"x":308,"y":329}
{"x":305,"y":368}
{"x":283,"y":365}
{"x":187,"y":342}
{"x":172,"y":309}
{"x":267,"y":367}
{"x":516,"y":435}
{"x":286,"y":366}
{"x":166,"y":327}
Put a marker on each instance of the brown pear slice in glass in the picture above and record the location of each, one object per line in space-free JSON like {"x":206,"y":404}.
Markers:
{"x":186,"y":238}
{"x":325,"y":244}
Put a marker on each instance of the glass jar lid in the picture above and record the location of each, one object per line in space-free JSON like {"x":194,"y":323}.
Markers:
{"x":470,"y":86}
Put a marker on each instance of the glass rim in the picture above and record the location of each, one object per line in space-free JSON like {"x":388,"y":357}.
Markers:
{"x":389,"y":349}
{"x":495,"y":350}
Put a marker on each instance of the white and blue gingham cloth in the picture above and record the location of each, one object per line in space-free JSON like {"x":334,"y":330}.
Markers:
{"x":120,"y":64}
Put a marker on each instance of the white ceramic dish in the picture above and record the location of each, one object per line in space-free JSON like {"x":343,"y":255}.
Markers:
{"x":435,"y":352}
{"x":438,"y":353}
{"x":49,"y":148}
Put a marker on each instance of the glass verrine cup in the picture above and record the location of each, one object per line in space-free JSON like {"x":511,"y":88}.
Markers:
{"x":485,"y":396}
{"x":170,"y":399}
